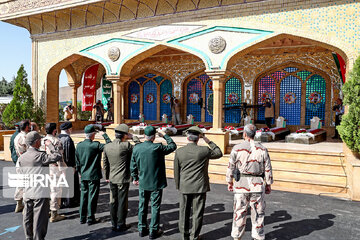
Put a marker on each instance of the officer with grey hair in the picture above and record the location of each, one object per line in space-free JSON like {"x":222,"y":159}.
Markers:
{"x":88,"y":163}
{"x":149,"y":172}
{"x":36,"y":211}
{"x":192,"y":180}
{"x":250,"y":167}
{"x":117,"y":157}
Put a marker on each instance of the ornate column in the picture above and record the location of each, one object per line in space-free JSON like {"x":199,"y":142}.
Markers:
{"x":216,"y":133}
{"x":118,"y":90}
{"x":74,"y":89}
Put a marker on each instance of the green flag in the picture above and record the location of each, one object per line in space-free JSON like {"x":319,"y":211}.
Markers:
{"x":106,"y":92}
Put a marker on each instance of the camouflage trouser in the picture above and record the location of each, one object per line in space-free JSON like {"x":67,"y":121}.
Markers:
{"x":241,"y":204}
{"x":55,"y":198}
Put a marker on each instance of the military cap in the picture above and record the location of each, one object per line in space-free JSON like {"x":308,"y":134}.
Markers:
{"x":194,"y":130}
{"x":65,"y":126}
{"x":122,"y":128}
{"x":149,"y":131}
{"x":17,"y":124}
{"x":31,"y":137}
{"x":89,"y":128}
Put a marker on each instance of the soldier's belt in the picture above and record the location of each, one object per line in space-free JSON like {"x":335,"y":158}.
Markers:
{"x":250,"y":175}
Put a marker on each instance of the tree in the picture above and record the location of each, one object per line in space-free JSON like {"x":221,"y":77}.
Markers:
{"x":22,"y":106}
{"x":349,"y":128}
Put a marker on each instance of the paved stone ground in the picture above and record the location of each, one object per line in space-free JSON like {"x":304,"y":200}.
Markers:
{"x":288,"y":216}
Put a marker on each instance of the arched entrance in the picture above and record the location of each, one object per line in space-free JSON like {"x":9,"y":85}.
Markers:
{"x":74,"y":66}
{"x":298,"y":93}
{"x":149,"y":92}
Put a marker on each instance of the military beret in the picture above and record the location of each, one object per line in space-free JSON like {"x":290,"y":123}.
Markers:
{"x":194,"y":130}
{"x":31,"y":137}
{"x":89,"y":128}
{"x":149,"y":131}
{"x":122,"y":128}
{"x":65,"y":126}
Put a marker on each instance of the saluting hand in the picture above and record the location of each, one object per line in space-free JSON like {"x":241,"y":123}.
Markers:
{"x":205,"y":139}
{"x":161,"y":133}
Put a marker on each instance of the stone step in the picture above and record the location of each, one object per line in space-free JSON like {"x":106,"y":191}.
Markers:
{"x":307,"y":156}
{"x":308,"y":166}
{"x":290,"y":185}
{"x":295,"y":175}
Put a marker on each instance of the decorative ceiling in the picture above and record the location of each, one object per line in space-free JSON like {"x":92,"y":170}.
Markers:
{"x":64,"y":17}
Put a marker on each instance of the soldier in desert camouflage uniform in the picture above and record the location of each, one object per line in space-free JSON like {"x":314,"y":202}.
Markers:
{"x":250,"y":165}
{"x":55,"y":169}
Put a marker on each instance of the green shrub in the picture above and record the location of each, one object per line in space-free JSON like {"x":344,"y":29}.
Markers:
{"x":349,"y":128}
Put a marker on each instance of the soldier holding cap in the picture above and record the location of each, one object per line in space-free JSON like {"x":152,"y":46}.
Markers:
{"x":192,"y":180}
{"x":148,"y":171}
{"x":117,"y":157}
{"x":14,"y":157}
{"x":69,"y":159}
{"x":88,"y":164}
{"x":36,"y":211}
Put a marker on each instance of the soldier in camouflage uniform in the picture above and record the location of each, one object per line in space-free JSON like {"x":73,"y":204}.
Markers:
{"x":55,"y":169}
{"x":20,"y":148}
{"x":250,"y":165}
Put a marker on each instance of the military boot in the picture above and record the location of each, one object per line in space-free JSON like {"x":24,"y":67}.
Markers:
{"x":55,"y":217}
{"x":19,"y":206}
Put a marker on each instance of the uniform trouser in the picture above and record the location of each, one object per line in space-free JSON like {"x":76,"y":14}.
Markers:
{"x":119,"y":203}
{"x":88,"y":200}
{"x":110,"y":116}
{"x":268,"y":122}
{"x":144,"y":198}
{"x":197,"y":201}
{"x":36,"y":218}
{"x":55,"y":197}
{"x":71,"y":201}
{"x":241,"y":204}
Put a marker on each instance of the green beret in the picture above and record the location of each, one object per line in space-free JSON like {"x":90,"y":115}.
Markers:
{"x":194,"y":130}
{"x":149,"y":131}
{"x":122,"y":128}
{"x":89,"y":128}
{"x":31,"y":137}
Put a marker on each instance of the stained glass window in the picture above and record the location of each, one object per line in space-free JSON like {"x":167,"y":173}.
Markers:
{"x":233,"y":95}
{"x":290,"y":100}
{"x":303,"y":75}
{"x":150,"y":96}
{"x":134,"y":100}
{"x":165,"y":93}
{"x":194,"y":91}
{"x":266,"y":88}
{"x":278,"y":75}
{"x":315,"y":98}
{"x":290,"y":69}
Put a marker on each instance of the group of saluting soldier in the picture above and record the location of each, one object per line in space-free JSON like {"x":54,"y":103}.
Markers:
{"x":143,"y":164}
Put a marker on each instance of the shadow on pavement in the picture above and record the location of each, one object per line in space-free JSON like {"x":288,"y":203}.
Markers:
{"x":296,"y":229}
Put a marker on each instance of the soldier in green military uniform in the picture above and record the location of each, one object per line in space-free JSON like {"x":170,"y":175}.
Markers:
{"x":117,"y":157}
{"x":192,"y":180}
{"x":148,"y":171}
{"x":88,"y":164}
